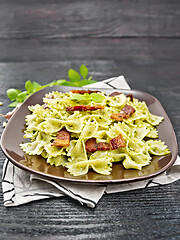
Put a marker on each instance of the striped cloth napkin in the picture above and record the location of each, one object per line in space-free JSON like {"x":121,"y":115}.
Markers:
{"x":20,"y":187}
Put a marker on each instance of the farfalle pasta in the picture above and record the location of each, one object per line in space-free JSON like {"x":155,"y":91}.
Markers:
{"x":130,"y":139}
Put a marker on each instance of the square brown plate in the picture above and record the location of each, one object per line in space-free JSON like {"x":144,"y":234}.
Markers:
{"x":13,"y":135}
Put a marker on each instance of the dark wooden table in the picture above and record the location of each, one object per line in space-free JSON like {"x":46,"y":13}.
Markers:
{"x":41,"y":40}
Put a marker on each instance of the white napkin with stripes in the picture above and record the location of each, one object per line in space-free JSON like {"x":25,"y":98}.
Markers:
{"x":20,"y":187}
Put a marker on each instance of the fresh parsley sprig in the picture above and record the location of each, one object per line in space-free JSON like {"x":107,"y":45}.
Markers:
{"x":75,"y":80}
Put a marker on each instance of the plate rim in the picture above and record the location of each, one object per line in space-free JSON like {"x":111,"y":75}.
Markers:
{"x":109,"y":181}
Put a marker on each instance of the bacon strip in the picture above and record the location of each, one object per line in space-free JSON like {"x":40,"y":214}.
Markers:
{"x":117,"y":142}
{"x":91,"y":145}
{"x":114,"y":94}
{"x":131,"y":96}
{"x":62,"y":139}
{"x":84,"y":108}
{"x":45,"y":106}
{"x":84,"y":91}
{"x":118,"y":116}
{"x":126,"y":112}
{"x":103,"y":146}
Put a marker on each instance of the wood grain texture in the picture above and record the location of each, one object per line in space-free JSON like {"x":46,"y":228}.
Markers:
{"x":41,"y":40}
{"x":150,"y":214}
{"x":61,"y":19}
{"x":145,"y":51}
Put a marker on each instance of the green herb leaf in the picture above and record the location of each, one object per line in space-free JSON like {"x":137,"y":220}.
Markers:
{"x":80,"y":97}
{"x":13,"y":104}
{"x":61,"y":81}
{"x":12,"y":93}
{"x":73,"y":75}
{"x":51,"y":84}
{"x":95,"y":97}
{"x":17,"y":96}
{"x":36,"y":86}
{"x":68,"y":83}
{"x":83,"y":71}
{"x":22,"y":96}
{"x":85,"y":82}
{"x":29,"y":86}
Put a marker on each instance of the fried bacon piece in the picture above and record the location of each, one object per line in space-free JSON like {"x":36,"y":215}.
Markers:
{"x":118,"y":116}
{"x":131,"y":96}
{"x":125,"y":113}
{"x":45,"y":106}
{"x":103,"y":146}
{"x":114,"y":94}
{"x":91,"y":145}
{"x":84,"y":91}
{"x":62,"y":139}
{"x":117,"y":142}
{"x":128,"y":110}
{"x":84,"y":108}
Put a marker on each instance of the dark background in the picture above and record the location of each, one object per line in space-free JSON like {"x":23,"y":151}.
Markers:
{"x":40,"y":40}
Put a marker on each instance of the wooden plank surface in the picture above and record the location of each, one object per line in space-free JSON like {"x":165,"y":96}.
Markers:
{"x":41,"y":40}
{"x":136,"y":215}
{"x":66,"y":18}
